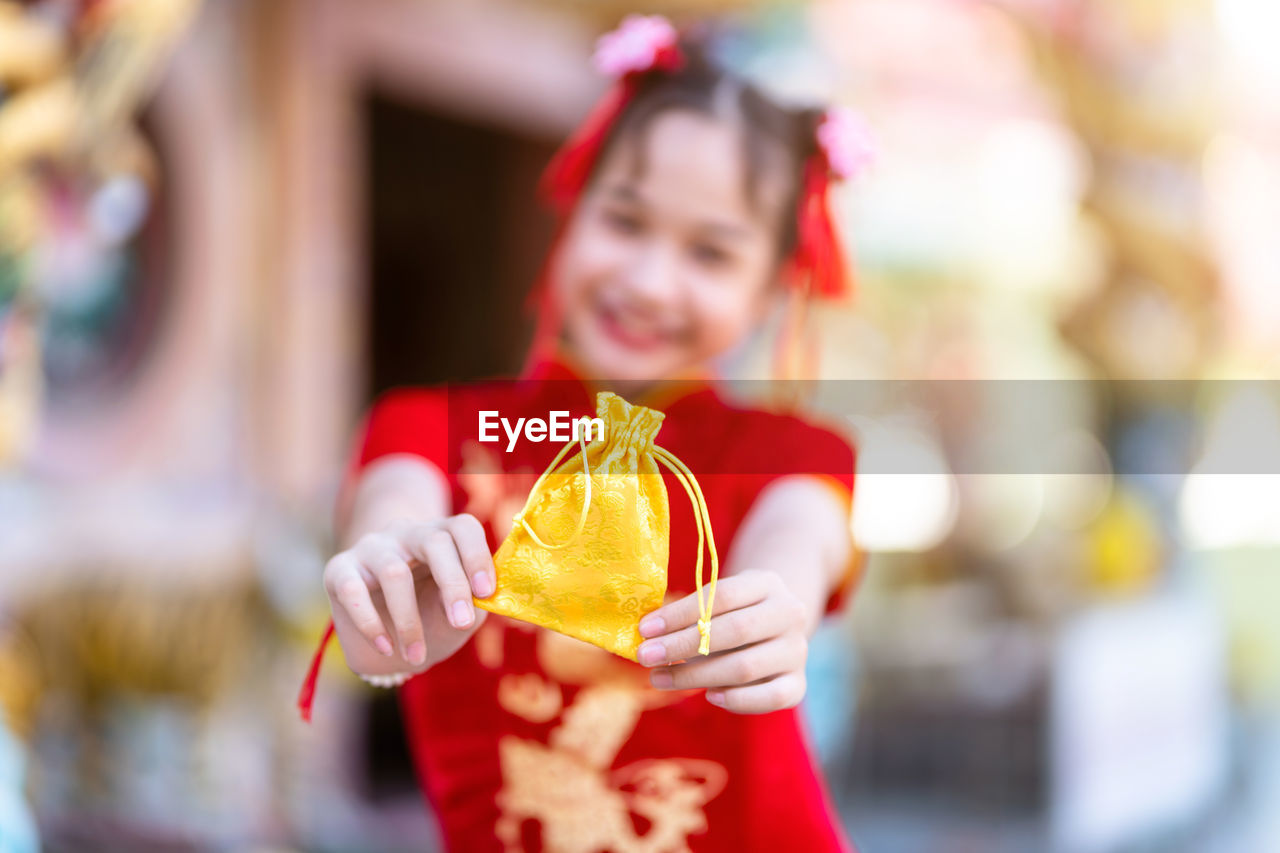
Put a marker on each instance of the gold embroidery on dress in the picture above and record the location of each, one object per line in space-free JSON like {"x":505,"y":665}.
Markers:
{"x":566,"y":785}
{"x":489,"y":642}
{"x":527,"y":695}
{"x":670,"y":794}
{"x":598,"y":723}
{"x":583,"y":810}
{"x":493,"y":494}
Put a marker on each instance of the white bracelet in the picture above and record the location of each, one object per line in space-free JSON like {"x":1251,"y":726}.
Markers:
{"x":392,"y":679}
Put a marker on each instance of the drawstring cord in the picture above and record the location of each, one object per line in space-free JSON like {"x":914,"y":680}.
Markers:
{"x":518,"y":518}
{"x":702,"y":516}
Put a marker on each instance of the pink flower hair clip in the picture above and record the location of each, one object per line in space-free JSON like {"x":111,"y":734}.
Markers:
{"x":846,"y":142}
{"x":640,"y":43}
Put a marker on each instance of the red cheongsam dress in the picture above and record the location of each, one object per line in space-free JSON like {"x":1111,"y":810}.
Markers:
{"x":528,"y":740}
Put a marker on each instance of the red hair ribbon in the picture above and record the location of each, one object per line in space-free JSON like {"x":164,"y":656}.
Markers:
{"x":817,"y":266}
{"x":641,"y":45}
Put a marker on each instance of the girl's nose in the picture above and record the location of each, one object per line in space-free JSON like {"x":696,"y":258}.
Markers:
{"x":651,"y":275}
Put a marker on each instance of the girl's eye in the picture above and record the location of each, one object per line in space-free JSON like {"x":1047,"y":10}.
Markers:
{"x":623,"y":222}
{"x":710,"y":255}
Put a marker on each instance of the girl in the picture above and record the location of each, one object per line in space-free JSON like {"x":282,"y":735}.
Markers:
{"x":691,"y":203}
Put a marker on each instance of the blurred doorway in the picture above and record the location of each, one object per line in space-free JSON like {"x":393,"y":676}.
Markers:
{"x":455,"y":239}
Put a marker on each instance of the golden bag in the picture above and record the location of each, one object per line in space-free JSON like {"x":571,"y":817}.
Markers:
{"x":587,"y":556}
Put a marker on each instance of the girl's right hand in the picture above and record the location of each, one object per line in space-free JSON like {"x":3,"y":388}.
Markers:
{"x":401,"y":596}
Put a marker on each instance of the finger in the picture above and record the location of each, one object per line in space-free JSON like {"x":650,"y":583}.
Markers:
{"x":473,"y":551}
{"x":347,"y":588}
{"x":732,"y":593}
{"x":395,"y":579}
{"x":785,"y":691}
{"x":730,"y":630}
{"x":434,"y":545}
{"x":732,"y":669}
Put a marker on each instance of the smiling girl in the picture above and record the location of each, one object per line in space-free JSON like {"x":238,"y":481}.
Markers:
{"x":692,"y":205}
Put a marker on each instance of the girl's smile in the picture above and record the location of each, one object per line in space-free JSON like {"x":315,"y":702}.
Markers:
{"x":630,"y":330}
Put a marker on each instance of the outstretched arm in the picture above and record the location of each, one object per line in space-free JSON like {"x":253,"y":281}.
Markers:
{"x":400,"y":589}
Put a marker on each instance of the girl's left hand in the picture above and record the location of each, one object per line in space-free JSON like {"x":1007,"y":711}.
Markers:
{"x":759,"y":643}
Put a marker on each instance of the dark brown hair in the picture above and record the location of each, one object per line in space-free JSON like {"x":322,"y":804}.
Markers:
{"x":773,"y":136}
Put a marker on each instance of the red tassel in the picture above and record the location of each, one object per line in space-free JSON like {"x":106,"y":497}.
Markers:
{"x":570,"y":169}
{"x":818,"y":265}
{"x":307,"y":695}
{"x":567,"y":174}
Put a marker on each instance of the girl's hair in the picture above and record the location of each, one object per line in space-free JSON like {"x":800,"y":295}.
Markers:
{"x":774,"y":137}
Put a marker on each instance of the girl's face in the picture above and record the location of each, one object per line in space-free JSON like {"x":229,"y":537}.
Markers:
{"x":666,"y":263}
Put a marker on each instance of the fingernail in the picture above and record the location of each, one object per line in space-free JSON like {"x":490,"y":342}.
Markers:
{"x":462,"y":614}
{"x":416,"y":653}
{"x":651,"y":652}
{"x":662,"y":680}
{"x":483,"y":584}
{"x":652,"y":625}
{"x":715,"y":698}
{"x":382,"y":644}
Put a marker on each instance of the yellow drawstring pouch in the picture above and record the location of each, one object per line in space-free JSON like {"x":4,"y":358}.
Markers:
{"x":587,"y":556}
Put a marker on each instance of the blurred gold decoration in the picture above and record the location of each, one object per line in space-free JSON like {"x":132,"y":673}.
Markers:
{"x":35,"y":123}
{"x":76,"y":104}
{"x":20,"y":213}
{"x":108,"y":638}
{"x":130,"y":41}
{"x":1125,"y":547}
{"x":31,"y":50}
{"x":129,"y":633}
{"x":20,"y":684}
{"x":70,"y":95}
{"x":1135,"y":83}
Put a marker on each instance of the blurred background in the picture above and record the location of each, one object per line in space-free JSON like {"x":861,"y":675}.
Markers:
{"x":225,"y":225}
